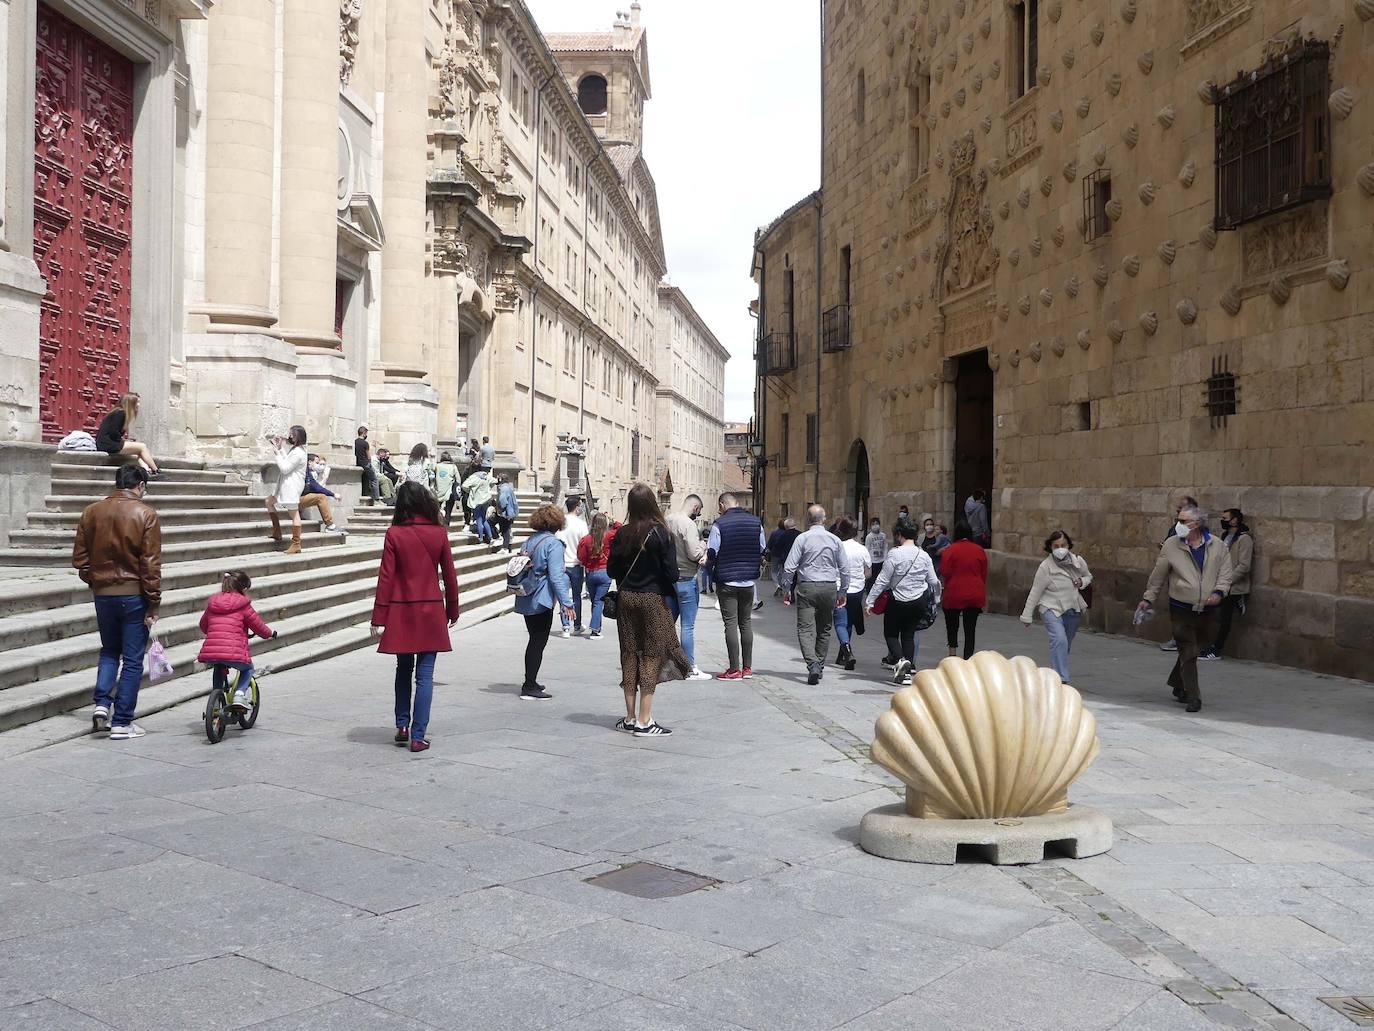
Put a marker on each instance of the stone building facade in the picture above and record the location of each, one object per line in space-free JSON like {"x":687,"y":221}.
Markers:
{"x":690,"y":363}
{"x":420,"y":215}
{"x":1088,"y":257}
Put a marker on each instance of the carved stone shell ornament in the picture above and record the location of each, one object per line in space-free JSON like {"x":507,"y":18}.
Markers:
{"x":1055,"y":11}
{"x":1036,"y":246}
{"x":1115,"y":208}
{"x":1068,"y":58}
{"x":931,"y":119}
{"x":1004,"y":210}
{"x":1128,"y":11}
{"x":1056,"y":120}
{"x":937,"y":71}
{"x":1167,"y":251}
{"x":1085,"y":104}
{"x":1166,"y":116}
{"x":1035,"y":351}
{"x":1231,"y":301}
{"x":1047,"y":297}
{"x":1365,"y":176}
{"x":986,"y":124}
{"x":1004,"y":311}
{"x":1047,"y":186}
{"x":1207,"y":91}
{"x":1207,"y":236}
{"x":1024,"y":304}
{"x":1101,"y":275}
{"x":994,"y":363}
{"x":1058,"y":346}
{"x":1341,"y":103}
{"x":1114,"y":82}
{"x":1085,"y":338}
{"x":945,"y":109}
{"x":1014,"y":256}
{"x":1114,"y":330}
{"x":1130,"y":264}
{"x":952,"y":60}
{"x":1023,"y":198}
{"x":994,"y":70}
{"x":1071,"y":286}
{"x":1365,"y":9}
{"x":1046,"y":72}
{"x":1146,"y":62}
{"x":960,"y":96}
{"x":1100,"y":155}
{"x":944,"y":23}
{"x":1188,"y":173}
{"x":1015,"y":358}
{"x":978,"y":82}
{"x":985,"y":28}
{"x":1280,"y":289}
{"x":959,"y":7}
{"x":1028,"y":730}
{"x":1131,"y":135}
{"x":1147,"y":192}
{"x":1057,"y":235}
{"x":1338,"y":273}
{"x":1099,"y":33}
{"x":968,"y":43}
{"x":1187,"y":311}
{"x":1070,"y":171}
{"x":1149,"y":322}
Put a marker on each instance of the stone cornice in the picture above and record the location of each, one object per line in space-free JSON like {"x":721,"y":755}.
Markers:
{"x":675,"y":296}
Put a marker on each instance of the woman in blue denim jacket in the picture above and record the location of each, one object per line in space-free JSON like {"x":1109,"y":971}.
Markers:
{"x":546,"y":554}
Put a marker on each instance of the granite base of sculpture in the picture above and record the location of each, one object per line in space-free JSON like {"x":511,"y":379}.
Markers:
{"x":987,"y":748}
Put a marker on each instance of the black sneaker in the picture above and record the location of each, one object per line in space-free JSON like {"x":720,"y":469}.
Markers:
{"x":625,"y":726}
{"x":652,"y":730}
{"x":889,"y":661}
{"x":538,"y":694}
{"x":813,"y":679}
{"x":1194,"y":706}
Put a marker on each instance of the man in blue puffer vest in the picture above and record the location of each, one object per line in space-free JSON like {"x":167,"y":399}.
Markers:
{"x":733,"y":553}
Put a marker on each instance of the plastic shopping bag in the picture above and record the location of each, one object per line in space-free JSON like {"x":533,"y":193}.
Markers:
{"x":159,"y":666}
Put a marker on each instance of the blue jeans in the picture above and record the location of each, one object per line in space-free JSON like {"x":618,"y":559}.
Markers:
{"x":220,"y":676}
{"x":480,"y":526}
{"x":575,"y":576}
{"x":416,"y":718}
{"x":705,"y":582}
{"x":123,"y":635}
{"x":598,"y":586}
{"x":1061,"y":630}
{"x":685,"y":601}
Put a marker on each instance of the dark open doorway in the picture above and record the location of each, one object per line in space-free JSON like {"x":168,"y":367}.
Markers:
{"x":859,"y":494}
{"x":973,"y":430}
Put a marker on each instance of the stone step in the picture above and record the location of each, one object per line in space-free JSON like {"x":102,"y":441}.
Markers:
{"x":58,"y":553}
{"x":171,"y":518}
{"x":87,"y":491}
{"x":40,"y":626}
{"x":53,"y":702}
{"x":98,"y":459}
{"x":198,"y":571}
{"x":93,"y":473}
{"x":257,"y":526}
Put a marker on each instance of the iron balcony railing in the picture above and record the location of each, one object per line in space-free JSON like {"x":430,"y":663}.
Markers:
{"x":835,"y":329}
{"x":779,"y":353}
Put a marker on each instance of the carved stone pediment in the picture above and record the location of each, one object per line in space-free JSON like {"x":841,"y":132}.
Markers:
{"x":965,"y":256}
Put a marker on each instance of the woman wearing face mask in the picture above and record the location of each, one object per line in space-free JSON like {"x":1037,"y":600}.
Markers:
{"x":876,"y":543}
{"x":1241,"y":546}
{"x":317,"y":495}
{"x":1057,"y":593}
{"x":289,"y":454}
{"x":933,"y":541}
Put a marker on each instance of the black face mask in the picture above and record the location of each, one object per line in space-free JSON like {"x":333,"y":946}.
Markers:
{"x":1226,"y":524}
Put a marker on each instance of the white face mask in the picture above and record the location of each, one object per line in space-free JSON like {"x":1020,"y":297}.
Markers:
{"x":1181,"y":529}
{"x":873,"y":528}
{"x":1061,"y":553}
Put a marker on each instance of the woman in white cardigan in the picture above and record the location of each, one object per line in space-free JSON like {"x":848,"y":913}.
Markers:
{"x":291,"y":458}
{"x":1057,"y":592}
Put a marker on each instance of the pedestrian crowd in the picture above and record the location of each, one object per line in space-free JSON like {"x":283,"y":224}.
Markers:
{"x":646,"y":572}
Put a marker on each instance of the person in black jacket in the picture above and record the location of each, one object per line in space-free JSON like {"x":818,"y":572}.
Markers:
{"x":362,"y":458}
{"x":644,"y":565}
{"x":113,"y":435}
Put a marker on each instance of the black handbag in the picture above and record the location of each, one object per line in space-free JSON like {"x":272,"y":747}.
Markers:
{"x":610,"y":605}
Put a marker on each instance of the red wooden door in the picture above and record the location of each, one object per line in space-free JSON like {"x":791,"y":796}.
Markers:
{"x":83,"y":206}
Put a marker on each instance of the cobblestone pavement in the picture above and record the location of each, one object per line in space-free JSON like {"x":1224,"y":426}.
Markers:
{"x":306,"y":874}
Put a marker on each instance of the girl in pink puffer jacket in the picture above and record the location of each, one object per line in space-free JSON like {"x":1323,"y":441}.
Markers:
{"x":226,"y":622}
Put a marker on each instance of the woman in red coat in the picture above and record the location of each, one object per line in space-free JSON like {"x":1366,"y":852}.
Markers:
{"x":964,"y":567}
{"x":410,"y":614}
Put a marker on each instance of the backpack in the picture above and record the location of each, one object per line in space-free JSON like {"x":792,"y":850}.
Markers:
{"x":523,"y":579}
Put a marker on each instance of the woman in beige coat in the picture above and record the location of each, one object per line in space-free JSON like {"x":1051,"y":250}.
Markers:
{"x":1197,"y":570}
{"x":1056,"y":592}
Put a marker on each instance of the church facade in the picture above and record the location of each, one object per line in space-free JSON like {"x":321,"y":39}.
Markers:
{"x":1090,"y":258}
{"x":423,"y":216}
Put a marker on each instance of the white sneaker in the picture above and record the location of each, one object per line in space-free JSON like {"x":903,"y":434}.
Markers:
{"x":100,"y":719}
{"x":240,"y":702}
{"x":901,"y":673}
{"x":127,"y":733}
{"x":697,"y":674}
{"x":566,"y":633}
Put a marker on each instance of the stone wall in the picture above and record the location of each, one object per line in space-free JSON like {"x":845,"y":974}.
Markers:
{"x":963,"y":204}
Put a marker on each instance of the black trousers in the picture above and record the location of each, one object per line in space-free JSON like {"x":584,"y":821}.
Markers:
{"x":448,"y":506}
{"x":1228,"y":608}
{"x":538,"y":626}
{"x":970,"y":618}
{"x":899,"y":627}
{"x":502,"y":525}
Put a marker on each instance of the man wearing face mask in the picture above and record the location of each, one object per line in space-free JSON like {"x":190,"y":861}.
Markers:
{"x":933,"y":540}
{"x":1177,"y":530}
{"x":1241,"y":546}
{"x":876,"y":543}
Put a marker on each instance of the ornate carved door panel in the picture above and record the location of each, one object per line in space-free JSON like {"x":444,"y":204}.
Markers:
{"x":82,"y":223}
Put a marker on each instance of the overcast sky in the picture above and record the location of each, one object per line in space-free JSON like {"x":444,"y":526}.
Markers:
{"x":731,"y":137}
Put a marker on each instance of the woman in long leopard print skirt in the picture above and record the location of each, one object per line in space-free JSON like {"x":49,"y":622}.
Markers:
{"x":644,"y":565}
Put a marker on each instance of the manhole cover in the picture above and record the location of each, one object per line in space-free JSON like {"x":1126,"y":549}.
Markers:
{"x":1359,"y":1009}
{"x":651,"y":881}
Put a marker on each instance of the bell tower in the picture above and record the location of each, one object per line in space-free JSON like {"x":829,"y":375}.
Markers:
{"x":608,"y":72}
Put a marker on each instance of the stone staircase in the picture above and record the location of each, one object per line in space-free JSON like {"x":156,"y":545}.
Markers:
{"x":320,"y":601}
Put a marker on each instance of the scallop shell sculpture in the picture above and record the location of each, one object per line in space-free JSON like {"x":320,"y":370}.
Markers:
{"x":986,"y":739}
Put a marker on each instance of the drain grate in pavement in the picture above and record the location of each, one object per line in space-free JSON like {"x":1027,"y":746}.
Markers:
{"x":870,"y":690}
{"x":651,"y":881}
{"x":1359,"y":1009}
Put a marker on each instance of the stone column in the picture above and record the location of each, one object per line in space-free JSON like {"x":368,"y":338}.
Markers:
{"x":402,"y":400}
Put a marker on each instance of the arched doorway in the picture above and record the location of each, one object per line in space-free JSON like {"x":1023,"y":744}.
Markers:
{"x":859,"y":481}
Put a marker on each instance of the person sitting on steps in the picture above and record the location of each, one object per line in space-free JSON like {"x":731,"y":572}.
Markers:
{"x":113,"y":435}
{"x":317,"y":495}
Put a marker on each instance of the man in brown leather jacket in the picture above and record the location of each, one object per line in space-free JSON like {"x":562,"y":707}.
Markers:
{"x":118,"y":552}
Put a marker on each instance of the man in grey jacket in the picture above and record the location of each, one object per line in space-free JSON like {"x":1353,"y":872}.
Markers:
{"x":976,"y":512}
{"x":814,"y":566}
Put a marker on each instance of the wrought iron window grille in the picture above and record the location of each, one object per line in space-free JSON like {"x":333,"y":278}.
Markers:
{"x":1273,"y":136}
{"x":779,"y":353}
{"x":1221,"y":393}
{"x":1097,"y":191}
{"x":835,"y":329}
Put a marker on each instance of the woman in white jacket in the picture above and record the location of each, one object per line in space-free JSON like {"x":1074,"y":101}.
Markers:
{"x":1057,"y":592}
{"x":908,"y":578}
{"x":291,"y":458}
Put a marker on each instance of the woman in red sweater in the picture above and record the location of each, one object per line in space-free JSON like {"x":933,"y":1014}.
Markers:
{"x":594,"y":551}
{"x":226,"y":622}
{"x":964,"y":568}
{"x":410,"y":614}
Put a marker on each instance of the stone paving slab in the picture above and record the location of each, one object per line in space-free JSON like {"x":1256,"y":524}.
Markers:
{"x":347,"y":884}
